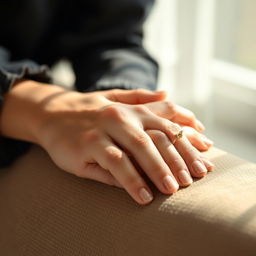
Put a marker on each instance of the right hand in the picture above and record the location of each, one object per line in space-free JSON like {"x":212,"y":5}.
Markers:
{"x":91,"y":136}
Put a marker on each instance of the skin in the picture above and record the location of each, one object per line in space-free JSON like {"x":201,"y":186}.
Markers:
{"x":113,"y":136}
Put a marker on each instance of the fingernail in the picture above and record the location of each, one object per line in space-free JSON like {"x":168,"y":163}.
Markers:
{"x":198,"y":167}
{"x":200,"y":125}
{"x":208,"y":164}
{"x":185,"y":177}
{"x":207,"y":141}
{"x":145,"y":195}
{"x":170,"y":184}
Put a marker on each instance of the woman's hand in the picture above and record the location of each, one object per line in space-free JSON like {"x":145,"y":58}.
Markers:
{"x":158,"y":104}
{"x":92,"y":136}
{"x":191,"y":126}
{"x":87,"y":129}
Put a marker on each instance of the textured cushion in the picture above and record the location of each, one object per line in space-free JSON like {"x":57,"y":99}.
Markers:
{"x":46,"y":211}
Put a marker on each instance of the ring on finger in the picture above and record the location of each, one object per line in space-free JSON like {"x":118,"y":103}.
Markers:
{"x":178,"y":136}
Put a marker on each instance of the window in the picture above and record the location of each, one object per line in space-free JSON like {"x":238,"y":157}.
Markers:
{"x":207,"y":52}
{"x":235,"y":37}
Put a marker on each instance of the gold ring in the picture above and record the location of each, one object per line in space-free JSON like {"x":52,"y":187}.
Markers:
{"x":178,"y":136}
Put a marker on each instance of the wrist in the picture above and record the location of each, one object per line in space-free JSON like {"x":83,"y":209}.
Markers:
{"x":23,"y":111}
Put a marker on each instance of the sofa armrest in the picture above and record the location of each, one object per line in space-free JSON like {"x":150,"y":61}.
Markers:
{"x":46,"y":211}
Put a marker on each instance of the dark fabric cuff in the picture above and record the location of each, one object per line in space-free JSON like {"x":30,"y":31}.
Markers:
{"x":10,"y":73}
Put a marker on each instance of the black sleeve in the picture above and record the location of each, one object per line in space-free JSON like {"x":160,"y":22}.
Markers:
{"x":11,"y":71}
{"x":107,"y":46}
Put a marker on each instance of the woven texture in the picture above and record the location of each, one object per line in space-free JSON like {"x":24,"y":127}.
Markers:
{"x":46,"y":211}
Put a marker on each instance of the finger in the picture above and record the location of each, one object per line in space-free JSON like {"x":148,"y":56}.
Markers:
{"x":189,"y":153}
{"x":153,"y":122}
{"x":175,"y":113}
{"x":112,"y":158}
{"x":139,"y":96}
{"x":95,"y":172}
{"x":139,"y":144}
{"x":209,"y":165}
{"x":197,"y":139}
{"x":207,"y":141}
{"x":165,"y":109}
{"x":171,"y":157}
{"x":186,"y":117}
{"x":192,"y":157}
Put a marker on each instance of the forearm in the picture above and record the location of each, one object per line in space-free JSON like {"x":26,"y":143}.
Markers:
{"x":23,"y":110}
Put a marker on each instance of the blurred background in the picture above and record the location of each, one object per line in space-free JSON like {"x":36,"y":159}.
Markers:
{"x":207,"y":55}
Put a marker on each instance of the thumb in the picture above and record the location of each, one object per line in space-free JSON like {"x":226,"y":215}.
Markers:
{"x":138,"y":96}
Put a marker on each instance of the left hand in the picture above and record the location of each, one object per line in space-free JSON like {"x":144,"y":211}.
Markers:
{"x":158,"y":104}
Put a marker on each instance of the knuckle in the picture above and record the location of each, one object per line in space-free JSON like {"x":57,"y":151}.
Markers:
{"x":178,"y":162}
{"x":139,"y":140}
{"x":113,"y":155}
{"x":114,"y":113}
{"x":142,"y":109}
{"x":172,"y":127}
{"x":176,"y":126}
{"x":157,"y":136}
{"x":115,"y":93}
{"x":191,"y":153}
{"x":169,"y":105}
{"x":92,"y":136}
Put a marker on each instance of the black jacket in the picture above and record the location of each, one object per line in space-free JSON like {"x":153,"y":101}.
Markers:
{"x":101,"y":38}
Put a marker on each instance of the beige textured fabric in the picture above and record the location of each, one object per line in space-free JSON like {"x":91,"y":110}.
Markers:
{"x":46,"y":211}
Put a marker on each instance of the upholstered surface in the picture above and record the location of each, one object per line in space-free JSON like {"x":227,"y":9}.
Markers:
{"x":46,"y":211}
